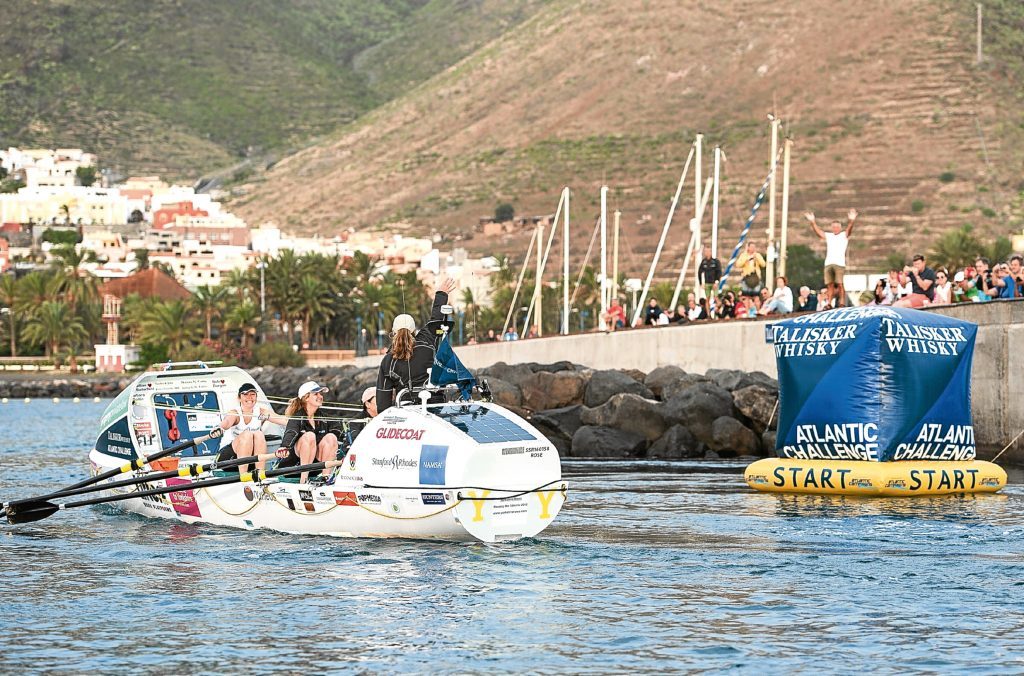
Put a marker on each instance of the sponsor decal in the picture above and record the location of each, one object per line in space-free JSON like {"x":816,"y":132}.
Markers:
{"x":395,"y":508}
{"x":860,"y":483}
{"x":516,"y":450}
{"x":309,"y":506}
{"x":757,"y":479}
{"x":395,"y":462}
{"x":369,"y":499}
{"x":305,"y":495}
{"x":249,"y":494}
{"x":432,"y":464}
{"x":352,"y":461}
{"x":345,"y":499}
{"x":115,"y":440}
{"x":989,"y":481}
{"x":392,"y":420}
{"x":323,"y":498}
{"x":184,"y":502}
{"x":897,"y":483}
{"x":403,"y":433}
{"x":432,"y":498}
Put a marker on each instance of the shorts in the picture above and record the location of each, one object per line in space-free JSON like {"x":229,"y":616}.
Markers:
{"x":834,"y":274}
{"x":917,"y":300}
{"x":750,"y":292}
{"x":228,"y":453}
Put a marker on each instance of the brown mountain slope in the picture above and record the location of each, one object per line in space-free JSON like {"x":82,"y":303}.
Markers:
{"x":881,"y":98}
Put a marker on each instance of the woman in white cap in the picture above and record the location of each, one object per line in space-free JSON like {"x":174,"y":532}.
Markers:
{"x":243,"y":429}
{"x":411,"y":352}
{"x":309,"y":438}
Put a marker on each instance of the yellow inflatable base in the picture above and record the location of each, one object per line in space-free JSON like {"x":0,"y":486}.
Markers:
{"x":887,"y":479}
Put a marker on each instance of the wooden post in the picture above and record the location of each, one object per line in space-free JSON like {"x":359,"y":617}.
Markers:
{"x":615,"y":255}
{"x":697,"y":184}
{"x":565,"y":262}
{"x":770,"y":267}
{"x":979,"y":34}
{"x":604,"y":255}
{"x":714,"y":203}
{"x":787,"y":145}
{"x":537,"y":289}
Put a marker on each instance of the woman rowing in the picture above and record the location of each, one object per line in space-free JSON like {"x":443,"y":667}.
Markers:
{"x":243,"y":429}
{"x":309,"y":438}
{"x":412,"y":352}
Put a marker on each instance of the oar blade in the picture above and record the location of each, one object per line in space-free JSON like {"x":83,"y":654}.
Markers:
{"x":26,"y":512}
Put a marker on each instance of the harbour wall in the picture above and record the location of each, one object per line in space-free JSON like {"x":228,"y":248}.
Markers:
{"x":997,"y":381}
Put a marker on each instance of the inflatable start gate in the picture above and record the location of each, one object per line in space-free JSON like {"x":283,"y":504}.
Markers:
{"x":874,"y":401}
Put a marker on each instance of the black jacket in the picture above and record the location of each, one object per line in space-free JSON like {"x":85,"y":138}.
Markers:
{"x":395,"y":375}
{"x":710,"y":271}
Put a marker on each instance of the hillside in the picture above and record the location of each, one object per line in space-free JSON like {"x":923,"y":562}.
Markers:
{"x":887,"y":110}
{"x":182,"y":87}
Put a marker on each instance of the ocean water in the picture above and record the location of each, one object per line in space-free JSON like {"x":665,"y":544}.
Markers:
{"x":649,"y":567}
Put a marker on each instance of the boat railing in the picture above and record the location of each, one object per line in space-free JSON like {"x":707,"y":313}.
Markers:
{"x":171,"y":365}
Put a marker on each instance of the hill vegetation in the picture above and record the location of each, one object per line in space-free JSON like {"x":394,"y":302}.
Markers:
{"x":181,"y":87}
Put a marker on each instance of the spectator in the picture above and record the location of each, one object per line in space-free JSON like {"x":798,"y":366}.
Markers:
{"x":806,"y":301}
{"x":616,"y":316}
{"x":966,"y":290}
{"x":751,"y":264}
{"x":1017,"y":273}
{"x":922,"y":281}
{"x":706,"y":312}
{"x":726,"y":305}
{"x":740,"y":308}
{"x":709,"y":272}
{"x":983,"y":278}
{"x":943,"y":289}
{"x":491,"y":337}
{"x":679,"y":317}
{"x":652,"y":313}
{"x":693,"y":310}
{"x":836,"y":243}
{"x":510,"y":334}
{"x":781,"y":302}
{"x":823,"y":299}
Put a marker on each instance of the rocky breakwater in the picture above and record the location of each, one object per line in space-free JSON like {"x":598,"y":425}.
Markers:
{"x":664,"y":414}
{"x":61,"y":386}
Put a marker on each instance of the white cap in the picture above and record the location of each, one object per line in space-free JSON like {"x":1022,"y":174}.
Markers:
{"x":309,"y":387}
{"x":959,"y":277}
{"x":404,"y":322}
{"x":369,"y":393}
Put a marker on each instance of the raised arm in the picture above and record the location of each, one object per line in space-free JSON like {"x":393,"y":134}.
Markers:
{"x":230,"y":420}
{"x":814,"y":225}
{"x":851,"y":216}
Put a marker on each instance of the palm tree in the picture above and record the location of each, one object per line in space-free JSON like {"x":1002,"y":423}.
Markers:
{"x":312,"y":298}
{"x":364,"y":268}
{"x":76,"y":285}
{"x":245,"y":316}
{"x":172,"y":324}
{"x":8,"y":298}
{"x":240,"y":282}
{"x":210,"y":302}
{"x":53,"y":325}
{"x":956,"y":249}
{"x":282,"y":276}
{"x":34,"y":289}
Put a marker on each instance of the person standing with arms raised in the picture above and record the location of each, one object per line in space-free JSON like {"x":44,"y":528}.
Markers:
{"x":412,"y":351}
{"x":836,"y":243}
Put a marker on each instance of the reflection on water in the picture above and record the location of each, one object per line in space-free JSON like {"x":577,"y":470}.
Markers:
{"x":649,"y":567}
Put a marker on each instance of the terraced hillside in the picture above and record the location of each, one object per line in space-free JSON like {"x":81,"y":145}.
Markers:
{"x":182,"y":87}
{"x":887,"y":110}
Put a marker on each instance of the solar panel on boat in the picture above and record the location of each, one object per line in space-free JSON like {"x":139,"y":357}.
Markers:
{"x":483,"y":425}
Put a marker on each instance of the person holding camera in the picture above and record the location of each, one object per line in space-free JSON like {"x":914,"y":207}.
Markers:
{"x":836,"y":243}
{"x":412,"y":351}
{"x":922,"y":283}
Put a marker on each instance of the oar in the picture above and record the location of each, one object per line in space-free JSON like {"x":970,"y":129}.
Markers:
{"x":183,"y":472}
{"x":35,"y":511}
{"x":138,"y":463}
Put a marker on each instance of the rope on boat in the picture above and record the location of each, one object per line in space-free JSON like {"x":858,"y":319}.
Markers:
{"x":470,"y":488}
{"x":1007,"y":446}
{"x":226,"y":414}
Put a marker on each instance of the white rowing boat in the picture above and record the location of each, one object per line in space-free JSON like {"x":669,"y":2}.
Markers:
{"x":460,"y":471}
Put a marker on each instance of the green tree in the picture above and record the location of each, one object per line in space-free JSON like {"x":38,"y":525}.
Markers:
{"x":53,"y":325}
{"x":282,"y":277}
{"x":804,"y":267}
{"x":141,"y":258}
{"x":76,"y":285}
{"x":9,"y":295}
{"x":245,"y":317}
{"x":504,"y":212}
{"x":86,"y":175}
{"x":170,"y":323}
{"x":210,"y":302}
{"x":312,"y":299}
{"x":67,"y":237}
{"x":956,"y":249}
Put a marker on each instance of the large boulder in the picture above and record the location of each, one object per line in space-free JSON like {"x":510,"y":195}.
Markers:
{"x":559,"y":425}
{"x":630,"y":413}
{"x":515,"y":374}
{"x":731,"y":379}
{"x":730,"y":437}
{"x":768,"y":442}
{"x":552,"y":389}
{"x":697,"y":407}
{"x":757,"y":403}
{"x":677,"y":442}
{"x":551,"y":368}
{"x":505,"y":393}
{"x":604,"y":385}
{"x":591,"y":441}
{"x":656,"y":380}
{"x":680,"y":385}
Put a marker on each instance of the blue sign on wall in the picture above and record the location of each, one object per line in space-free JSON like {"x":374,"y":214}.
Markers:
{"x":874,"y":383}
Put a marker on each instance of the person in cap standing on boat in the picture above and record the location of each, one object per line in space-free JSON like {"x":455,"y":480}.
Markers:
{"x":243,"y":429}
{"x":412,"y":351}
{"x":369,"y":399}
{"x":308,"y":437}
